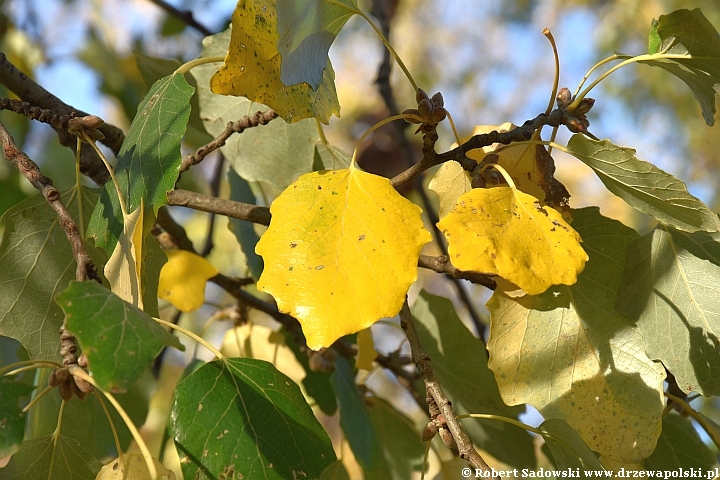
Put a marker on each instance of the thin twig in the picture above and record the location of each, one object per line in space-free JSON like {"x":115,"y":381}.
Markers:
{"x":259,"y":118}
{"x":186,"y":16}
{"x":85,"y":267}
{"x":423,"y":363}
{"x":29,"y":91}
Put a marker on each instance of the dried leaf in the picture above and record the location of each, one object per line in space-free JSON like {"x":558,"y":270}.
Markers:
{"x":341,"y":252}
{"x":183,"y":279}
{"x":506,"y":232}
{"x":125,"y":264}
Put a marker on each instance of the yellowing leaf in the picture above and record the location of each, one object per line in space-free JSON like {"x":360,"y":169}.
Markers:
{"x":450,"y":181}
{"x":366,"y":350}
{"x":183,"y":279}
{"x":506,"y":232}
{"x":125,"y":264}
{"x":341,"y":252}
{"x":133,"y":466}
{"x":253,"y":64}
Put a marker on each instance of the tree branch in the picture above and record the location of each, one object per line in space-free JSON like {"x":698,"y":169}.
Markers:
{"x":186,"y":16}
{"x":423,"y":363}
{"x":29,"y":91}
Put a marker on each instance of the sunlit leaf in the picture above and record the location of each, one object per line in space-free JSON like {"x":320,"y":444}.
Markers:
{"x":644,"y":186}
{"x":274,"y":154}
{"x":149,"y":160}
{"x":118,"y":339}
{"x":36,"y":263}
{"x":459,"y":362}
{"x":43,"y":458}
{"x":341,"y":252}
{"x":506,"y":232}
{"x":356,"y":424}
{"x":308,"y":29}
{"x":567,"y":448}
{"x":244,"y":419}
{"x":572,"y":356}
{"x":671,"y":287}
{"x":124,"y":266}
{"x":183,"y":279}
{"x":687,"y":45}
{"x":252,"y":68}
{"x":449,"y":182}
{"x":12,"y":419}
{"x":399,"y":439}
{"x":680,"y":446}
{"x":133,"y":466}
{"x":331,"y":158}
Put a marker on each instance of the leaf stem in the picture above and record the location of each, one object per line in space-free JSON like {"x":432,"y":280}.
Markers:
{"x":594,"y":67}
{"x":452,"y":125}
{"x":503,"y":172}
{"x":384,"y":40}
{"x":185,"y":67}
{"x":197,"y":338}
{"x":37,"y":398}
{"x":696,"y":416}
{"x":4,"y":371}
{"x":380,"y":124}
{"x":556,"y":81}
{"x":500,"y":418}
{"x":118,"y":447}
{"x":56,"y":435}
{"x":121,"y":198}
{"x":80,"y":373}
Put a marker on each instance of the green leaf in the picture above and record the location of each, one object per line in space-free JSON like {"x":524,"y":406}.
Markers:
{"x":572,"y":356}
{"x":654,"y":40}
{"x":149,"y":161}
{"x":398,"y":437}
{"x":460,"y":364}
{"x":244,"y":231}
{"x":245,"y":419}
{"x":644,"y":186}
{"x":274,"y":154}
{"x":680,"y":446}
{"x":671,"y":288}
{"x":307,"y":29}
{"x":336,"y":471}
{"x":567,"y":448}
{"x":328,"y":157}
{"x":118,"y":339}
{"x":42,"y":458}
{"x":153,"y":260}
{"x":693,"y":54}
{"x":36,"y":263}
{"x":355,"y":422}
{"x":12,"y":419}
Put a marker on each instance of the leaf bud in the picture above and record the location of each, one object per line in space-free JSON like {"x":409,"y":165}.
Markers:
{"x":585,"y":105}
{"x":92,"y":121}
{"x":447,"y":438}
{"x":575,"y":126}
{"x":478,"y":182}
{"x":411,"y":111}
{"x":425,"y":107}
{"x":563,"y":97}
{"x":429,"y":432}
{"x":438,"y":115}
{"x":437,"y":100}
{"x":420,"y":95}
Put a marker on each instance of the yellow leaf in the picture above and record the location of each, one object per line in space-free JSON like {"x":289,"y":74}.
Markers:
{"x":252,"y":68}
{"x":506,"y":232}
{"x":366,"y":350}
{"x":450,"y":181}
{"x":132,"y":466}
{"x":183,"y":278}
{"x":124,"y":265}
{"x":341,"y":252}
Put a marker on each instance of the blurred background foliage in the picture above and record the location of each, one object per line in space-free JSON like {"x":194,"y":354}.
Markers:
{"x":488,"y":58}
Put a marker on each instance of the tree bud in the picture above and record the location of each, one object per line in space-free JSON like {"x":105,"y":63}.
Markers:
{"x":420,"y":95}
{"x":563,"y":97}
{"x":425,"y":107}
{"x":429,"y":432}
{"x":437,"y":100}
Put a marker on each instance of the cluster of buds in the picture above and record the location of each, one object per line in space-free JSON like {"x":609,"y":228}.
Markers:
{"x":430,"y":109}
{"x":68,"y":384}
{"x":577,"y":121}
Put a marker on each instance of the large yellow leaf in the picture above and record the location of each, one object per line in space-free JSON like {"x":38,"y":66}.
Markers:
{"x":341,"y":252}
{"x":506,"y":232}
{"x":252,"y":68}
{"x":183,"y":279}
